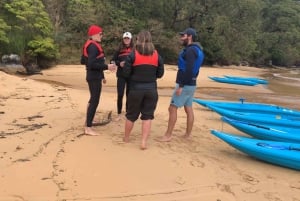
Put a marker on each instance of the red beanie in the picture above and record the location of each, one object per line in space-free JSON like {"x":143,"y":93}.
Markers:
{"x":94,"y":29}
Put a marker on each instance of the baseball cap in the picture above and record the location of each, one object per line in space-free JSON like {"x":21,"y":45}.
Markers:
{"x":189,"y":31}
{"x":127,"y":35}
{"x":94,"y":29}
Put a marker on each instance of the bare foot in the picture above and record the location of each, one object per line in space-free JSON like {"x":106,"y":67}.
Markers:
{"x":126,"y":139}
{"x":90,"y":131}
{"x":95,"y":123}
{"x":186,"y":136}
{"x":164,"y":138}
{"x":143,"y":146}
{"x":118,"y":118}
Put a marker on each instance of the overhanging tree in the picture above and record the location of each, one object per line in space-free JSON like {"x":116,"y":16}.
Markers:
{"x":29,"y":22}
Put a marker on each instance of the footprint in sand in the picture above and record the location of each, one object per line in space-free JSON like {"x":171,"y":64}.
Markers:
{"x":118,"y":140}
{"x":295,"y":185}
{"x":225,"y":188}
{"x":195,"y":162}
{"x":249,"y":179}
{"x":180,"y":180}
{"x":272,"y":197}
{"x":249,"y":190}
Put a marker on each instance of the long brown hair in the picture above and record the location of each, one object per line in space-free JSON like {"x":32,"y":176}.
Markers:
{"x":122,"y":45}
{"x":144,"y":43}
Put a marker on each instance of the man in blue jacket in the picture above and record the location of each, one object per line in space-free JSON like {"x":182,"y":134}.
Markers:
{"x":189,"y":62}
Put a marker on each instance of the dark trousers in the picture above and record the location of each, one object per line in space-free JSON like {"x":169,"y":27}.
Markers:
{"x":122,"y":83}
{"x":95,"y":87}
{"x":141,"y":102}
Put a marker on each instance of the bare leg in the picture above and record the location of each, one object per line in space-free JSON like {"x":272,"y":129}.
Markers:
{"x":90,"y":131}
{"x":171,"y":124}
{"x":189,"y":121}
{"x":146,"y":127}
{"x":128,"y":128}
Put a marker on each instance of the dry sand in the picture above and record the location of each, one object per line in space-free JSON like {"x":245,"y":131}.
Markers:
{"x":44,"y":157}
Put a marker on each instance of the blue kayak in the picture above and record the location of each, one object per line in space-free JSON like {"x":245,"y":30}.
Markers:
{"x":266,"y":119}
{"x":253,"y":79}
{"x":266,"y":132}
{"x":233,"y":81}
{"x":250,"y":107}
{"x":280,"y":153}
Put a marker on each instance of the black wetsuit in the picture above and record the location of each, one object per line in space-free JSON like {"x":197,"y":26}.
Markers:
{"x":95,"y":66}
{"x":122,"y":82}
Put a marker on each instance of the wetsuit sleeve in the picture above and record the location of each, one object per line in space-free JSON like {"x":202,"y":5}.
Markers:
{"x":116,"y":58}
{"x":127,"y":69}
{"x":160,"y":69}
{"x":93,"y":62}
{"x":190,"y":58}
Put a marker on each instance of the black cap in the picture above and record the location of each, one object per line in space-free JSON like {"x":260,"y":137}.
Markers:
{"x":189,"y":31}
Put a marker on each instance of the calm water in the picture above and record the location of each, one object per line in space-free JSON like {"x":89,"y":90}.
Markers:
{"x":285,"y":83}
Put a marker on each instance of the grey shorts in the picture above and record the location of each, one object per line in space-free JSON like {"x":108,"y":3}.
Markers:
{"x":186,"y":97}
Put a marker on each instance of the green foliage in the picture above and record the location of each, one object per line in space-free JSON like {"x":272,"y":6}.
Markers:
{"x":43,"y":47}
{"x":17,"y":43}
{"x":79,"y":15}
{"x":29,"y":22}
{"x":230,"y":32}
{"x":29,"y":17}
{"x":4,"y":28}
{"x":281,"y":32}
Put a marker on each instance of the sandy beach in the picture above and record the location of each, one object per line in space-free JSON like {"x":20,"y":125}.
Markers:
{"x":45,"y":157}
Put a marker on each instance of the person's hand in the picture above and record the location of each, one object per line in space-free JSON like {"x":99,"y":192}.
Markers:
{"x":178,"y":91}
{"x":112,"y":67}
{"x":122,"y":63}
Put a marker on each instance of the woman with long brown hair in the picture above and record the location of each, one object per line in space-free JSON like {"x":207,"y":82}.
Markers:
{"x":143,"y":66}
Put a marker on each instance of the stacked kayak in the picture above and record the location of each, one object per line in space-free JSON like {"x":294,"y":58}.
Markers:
{"x":266,"y":132}
{"x":275,"y":131}
{"x":249,"y":107}
{"x":260,"y":118}
{"x":233,"y":81}
{"x":280,"y":153}
{"x":253,"y":79}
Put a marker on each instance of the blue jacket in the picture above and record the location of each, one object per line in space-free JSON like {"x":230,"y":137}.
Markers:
{"x":189,"y":62}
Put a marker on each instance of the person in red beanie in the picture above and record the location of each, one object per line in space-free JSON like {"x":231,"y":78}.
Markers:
{"x":94,"y":60}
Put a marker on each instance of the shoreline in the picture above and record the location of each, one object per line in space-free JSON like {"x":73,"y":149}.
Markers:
{"x":281,"y":90}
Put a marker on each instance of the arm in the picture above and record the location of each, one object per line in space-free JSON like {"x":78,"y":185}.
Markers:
{"x":190,"y":58}
{"x":127,"y":69}
{"x":116,"y":58}
{"x":160,"y":69}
